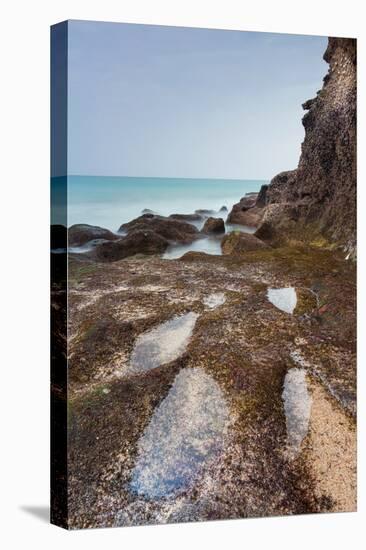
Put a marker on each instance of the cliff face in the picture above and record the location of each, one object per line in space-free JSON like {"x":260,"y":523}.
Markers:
{"x":318,"y":199}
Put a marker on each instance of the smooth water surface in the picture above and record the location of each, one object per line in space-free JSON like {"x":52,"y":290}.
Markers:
{"x":162,"y":344}
{"x":209,"y":245}
{"x":284,"y":299}
{"x":297,"y":403}
{"x":214,"y":300}
{"x":111,"y":201}
{"x":185,"y":431}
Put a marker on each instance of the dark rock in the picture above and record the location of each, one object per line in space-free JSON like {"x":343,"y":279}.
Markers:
{"x":136,"y":242}
{"x":58,"y":236}
{"x":262,"y":197}
{"x":223,"y":209}
{"x":175,"y":231}
{"x":318,"y":199}
{"x":80,"y":234}
{"x":186,"y":217}
{"x":214,"y":225}
{"x":240,"y":243}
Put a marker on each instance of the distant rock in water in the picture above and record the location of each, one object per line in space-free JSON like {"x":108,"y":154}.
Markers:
{"x":186,"y":217}
{"x":240,"y":243}
{"x":223,"y":209}
{"x":204,"y":212}
{"x":319,"y":197}
{"x":177,"y":231}
{"x":214,"y":225}
{"x":148,"y":211}
{"x":80,"y":234}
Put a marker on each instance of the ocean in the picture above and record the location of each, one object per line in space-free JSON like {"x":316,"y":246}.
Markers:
{"x":112,"y":201}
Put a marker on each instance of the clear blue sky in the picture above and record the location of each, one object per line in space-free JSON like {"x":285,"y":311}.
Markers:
{"x":180,"y":102}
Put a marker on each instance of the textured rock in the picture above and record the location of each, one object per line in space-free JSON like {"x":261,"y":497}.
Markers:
{"x":240,"y":243}
{"x":249,"y":210}
{"x":174,"y":230}
{"x":319,"y":198}
{"x":214,"y":225}
{"x":80,"y":234}
{"x":136,"y":242}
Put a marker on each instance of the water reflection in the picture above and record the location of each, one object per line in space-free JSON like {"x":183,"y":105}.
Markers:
{"x":185,"y":431}
{"x":214,"y":300}
{"x":162,"y":344}
{"x":284,"y":299}
{"x":297,"y":403}
{"x":209,"y":245}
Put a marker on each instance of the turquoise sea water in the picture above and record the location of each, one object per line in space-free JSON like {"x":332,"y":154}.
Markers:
{"x":111,"y":201}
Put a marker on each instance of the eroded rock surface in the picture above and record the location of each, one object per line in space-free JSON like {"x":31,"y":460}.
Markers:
{"x":318,"y":199}
{"x":243,"y":348}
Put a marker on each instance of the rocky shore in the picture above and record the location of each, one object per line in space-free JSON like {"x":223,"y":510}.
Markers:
{"x":217,"y":386}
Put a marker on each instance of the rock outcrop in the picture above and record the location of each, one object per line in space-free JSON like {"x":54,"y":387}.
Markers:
{"x":136,"y":242}
{"x":80,"y":234}
{"x":318,"y":199}
{"x":177,"y":231}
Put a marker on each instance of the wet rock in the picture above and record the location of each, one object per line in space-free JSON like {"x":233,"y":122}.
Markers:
{"x":223,"y":209}
{"x":80,"y":234}
{"x":262,"y":197}
{"x":136,"y":242}
{"x":214,"y":225}
{"x":186,"y":217}
{"x":240,"y":243}
{"x":248,"y":211}
{"x":173,"y":230}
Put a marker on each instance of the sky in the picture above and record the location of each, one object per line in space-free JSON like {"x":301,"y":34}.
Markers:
{"x":160,"y":101}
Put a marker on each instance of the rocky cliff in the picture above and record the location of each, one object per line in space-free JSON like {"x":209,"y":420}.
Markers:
{"x":318,"y":199}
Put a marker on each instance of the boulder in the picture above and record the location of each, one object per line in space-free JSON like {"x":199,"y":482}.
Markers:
{"x":214,"y":225}
{"x":249,"y":210}
{"x":239,"y":243}
{"x":80,"y":234}
{"x":136,"y":242}
{"x":249,"y":216}
{"x":175,"y":231}
{"x":223,"y":209}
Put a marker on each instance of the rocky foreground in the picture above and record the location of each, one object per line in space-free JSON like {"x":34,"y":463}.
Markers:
{"x":235,"y":445}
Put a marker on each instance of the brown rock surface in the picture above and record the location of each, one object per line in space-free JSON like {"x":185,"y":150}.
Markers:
{"x":80,"y":234}
{"x":174,"y":230}
{"x":136,"y":242}
{"x":240,"y":243}
{"x":214,"y":225}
